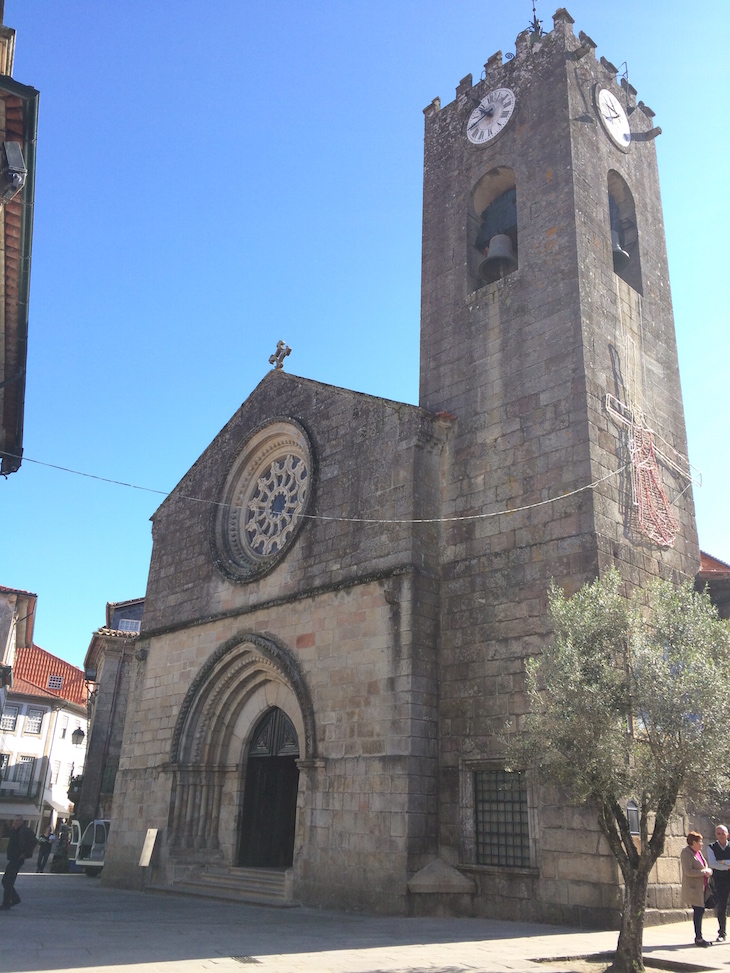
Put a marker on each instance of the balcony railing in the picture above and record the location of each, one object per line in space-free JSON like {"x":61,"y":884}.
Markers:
{"x":20,"y":790}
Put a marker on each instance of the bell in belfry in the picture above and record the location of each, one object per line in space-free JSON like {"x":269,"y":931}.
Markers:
{"x":500,"y":250}
{"x":620,"y":256}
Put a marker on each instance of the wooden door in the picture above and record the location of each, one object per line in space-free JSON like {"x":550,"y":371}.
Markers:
{"x":268,"y":818}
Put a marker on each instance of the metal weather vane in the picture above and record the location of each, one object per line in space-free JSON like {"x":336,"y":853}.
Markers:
{"x":535,"y":25}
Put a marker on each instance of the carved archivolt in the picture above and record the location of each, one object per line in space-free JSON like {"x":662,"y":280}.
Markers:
{"x":232,"y":673}
{"x":267,"y":489}
{"x":206,"y":751}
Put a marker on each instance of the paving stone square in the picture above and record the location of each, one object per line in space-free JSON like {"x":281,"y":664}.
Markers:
{"x":72,"y":924}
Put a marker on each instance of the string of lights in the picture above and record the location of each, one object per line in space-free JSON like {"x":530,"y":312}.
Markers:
{"x":504,"y":512}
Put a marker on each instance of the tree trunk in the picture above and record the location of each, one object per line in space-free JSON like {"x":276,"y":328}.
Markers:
{"x":629,"y":952}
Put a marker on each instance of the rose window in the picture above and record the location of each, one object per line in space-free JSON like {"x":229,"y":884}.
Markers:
{"x":265,"y":494}
{"x":277,"y":499}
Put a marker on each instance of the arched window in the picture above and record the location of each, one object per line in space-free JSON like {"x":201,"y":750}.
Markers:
{"x":624,"y":232}
{"x":492,"y":244}
{"x":632,"y":816}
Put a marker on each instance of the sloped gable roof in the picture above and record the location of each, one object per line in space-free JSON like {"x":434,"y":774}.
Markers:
{"x":712,"y":566}
{"x":275,"y":379}
{"x":33,"y":666}
{"x":16,"y":591}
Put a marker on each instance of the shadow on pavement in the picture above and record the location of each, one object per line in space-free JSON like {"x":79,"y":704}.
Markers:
{"x":71,"y":922}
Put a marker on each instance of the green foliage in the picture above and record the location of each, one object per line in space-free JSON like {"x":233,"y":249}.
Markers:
{"x":626,"y":700}
{"x":74,"y":788}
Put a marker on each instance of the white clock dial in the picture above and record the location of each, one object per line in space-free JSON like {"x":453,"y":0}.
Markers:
{"x":613,"y":118}
{"x":490,"y":116}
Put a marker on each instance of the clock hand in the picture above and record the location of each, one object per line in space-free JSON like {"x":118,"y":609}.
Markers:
{"x":485,"y":114}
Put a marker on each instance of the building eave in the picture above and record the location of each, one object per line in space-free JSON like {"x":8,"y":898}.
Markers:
{"x":15,"y":256}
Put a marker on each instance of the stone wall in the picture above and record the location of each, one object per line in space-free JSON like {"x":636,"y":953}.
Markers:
{"x":524,"y":364}
{"x":353,"y":608}
{"x":395,"y":630}
{"x":109,"y":708}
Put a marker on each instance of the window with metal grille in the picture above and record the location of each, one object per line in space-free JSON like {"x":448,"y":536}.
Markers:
{"x":24,"y":769}
{"x":9,"y":718}
{"x":34,"y":721}
{"x":500,"y":807}
{"x":55,"y":682}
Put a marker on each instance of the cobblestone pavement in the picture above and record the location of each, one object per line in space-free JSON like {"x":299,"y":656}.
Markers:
{"x":72,"y":924}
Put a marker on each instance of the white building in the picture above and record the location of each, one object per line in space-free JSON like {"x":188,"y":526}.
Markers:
{"x":38,"y":756}
{"x":17,"y":619}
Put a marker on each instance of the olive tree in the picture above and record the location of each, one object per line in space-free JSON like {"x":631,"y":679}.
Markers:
{"x":624,"y":703}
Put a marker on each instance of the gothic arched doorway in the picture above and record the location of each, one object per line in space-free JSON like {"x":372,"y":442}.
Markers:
{"x":268,"y":816}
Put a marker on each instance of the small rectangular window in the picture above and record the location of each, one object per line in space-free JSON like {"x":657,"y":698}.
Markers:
{"x":55,"y":771}
{"x":63,"y":727}
{"x":9,"y":719}
{"x":55,"y":682}
{"x":34,"y":721}
{"x":500,"y":808}
{"x":129,"y":625}
{"x":4,"y":760}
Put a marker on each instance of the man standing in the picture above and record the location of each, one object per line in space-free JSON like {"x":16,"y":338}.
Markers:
{"x":718,"y":858}
{"x":21,"y":843}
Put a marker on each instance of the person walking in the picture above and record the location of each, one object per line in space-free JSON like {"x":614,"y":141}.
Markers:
{"x":695,"y":874}
{"x":718,"y":858}
{"x":21,"y":843}
{"x":45,"y":847}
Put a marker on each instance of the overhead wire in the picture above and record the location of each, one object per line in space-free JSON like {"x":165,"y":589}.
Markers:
{"x":347,"y":520}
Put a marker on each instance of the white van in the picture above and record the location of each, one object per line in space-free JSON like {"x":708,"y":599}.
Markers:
{"x":74,"y":839}
{"x":91,"y":848}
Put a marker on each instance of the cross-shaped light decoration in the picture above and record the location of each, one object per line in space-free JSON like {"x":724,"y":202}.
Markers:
{"x":655,"y":517}
{"x":277,"y":359}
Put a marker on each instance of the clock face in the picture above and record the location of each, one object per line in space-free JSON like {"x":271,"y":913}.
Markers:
{"x":614,"y":119}
{"x":490,"y":116}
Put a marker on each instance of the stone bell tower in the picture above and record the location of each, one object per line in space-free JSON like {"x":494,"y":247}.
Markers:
{"x":547,"y":332}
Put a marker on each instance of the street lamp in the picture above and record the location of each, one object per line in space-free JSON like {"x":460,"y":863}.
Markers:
{"x":77,"y":737}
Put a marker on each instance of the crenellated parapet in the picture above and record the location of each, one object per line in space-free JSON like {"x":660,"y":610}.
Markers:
{"x":531,"y":48}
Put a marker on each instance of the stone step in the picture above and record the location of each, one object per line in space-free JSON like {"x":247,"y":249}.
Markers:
{"x":258,"y":886}
{"x":657,"y":917}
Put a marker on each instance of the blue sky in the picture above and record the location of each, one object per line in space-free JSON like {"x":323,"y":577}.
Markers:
{"x":213,"y":177}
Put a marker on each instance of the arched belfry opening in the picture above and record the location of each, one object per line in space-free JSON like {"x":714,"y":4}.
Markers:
{"x":624,"y":232}
{"x":250,"y":691}
{"x":492,"y":228}
{"x":268,"y":815}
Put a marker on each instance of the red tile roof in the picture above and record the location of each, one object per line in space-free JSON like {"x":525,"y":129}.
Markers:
{"x":713,"y":566}
{"x":17,"y":591}
{"x":32,"y":667}
{"x":24,"y":688}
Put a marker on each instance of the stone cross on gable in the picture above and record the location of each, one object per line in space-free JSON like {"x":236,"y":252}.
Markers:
{"x":277,"y":359}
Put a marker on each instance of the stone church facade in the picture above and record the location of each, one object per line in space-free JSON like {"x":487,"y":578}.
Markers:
{"x":334,"y":639}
